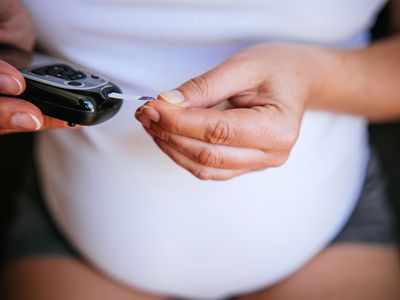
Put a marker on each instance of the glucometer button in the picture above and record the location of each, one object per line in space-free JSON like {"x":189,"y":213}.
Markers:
{"x":74,"y":83}
{"x":39,"y":71}
{"x":67,"y":73}
{"x":95,"y":77}
{"x":78,"y":75}
{"x":52,"y":72}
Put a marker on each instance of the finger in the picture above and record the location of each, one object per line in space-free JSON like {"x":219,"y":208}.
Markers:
{"x":19,"y":114}
{"x":49,"y":123}
{"x":11,"y":80}
{"x":201,"y":172}
{"x":257,"y":127}
{"x":230,"y":78}
{"x":10,"y":131}
{"x":9,"y":8}
{"x":146,"y":122}
{"x":216,"y":156}
{"x":52,"y":123}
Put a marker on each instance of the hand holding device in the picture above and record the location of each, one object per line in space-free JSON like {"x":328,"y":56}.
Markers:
{"x":63,"y":91}
{"x":17,"y":115}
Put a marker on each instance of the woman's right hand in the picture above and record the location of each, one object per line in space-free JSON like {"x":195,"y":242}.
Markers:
{"x":18,"y":115}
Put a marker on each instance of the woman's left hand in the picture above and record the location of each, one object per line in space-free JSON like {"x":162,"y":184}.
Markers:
{"x":267,"y":88}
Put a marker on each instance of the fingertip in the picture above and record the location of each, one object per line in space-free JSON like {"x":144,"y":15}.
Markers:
{"x":19,"y":84}
{"x":10,"y":85}
{"x":138,"y":112}
{"x":150,"y":113}
{"x":25,"y":121}
{"x":143,"y":119}
{"x":36,"y":120}
{"x":12,"y":77}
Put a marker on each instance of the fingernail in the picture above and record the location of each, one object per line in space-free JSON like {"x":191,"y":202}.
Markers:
{"x":10,"y":85}
{"x":20,"y":88}
{"x":173,"y":97}
{"x":151,"y":113}
{"x":25,"y":121}
{"x":138,"y":112}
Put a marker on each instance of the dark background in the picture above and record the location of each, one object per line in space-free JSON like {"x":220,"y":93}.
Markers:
{"x":16,"y":151}
{"x":385,"y":138}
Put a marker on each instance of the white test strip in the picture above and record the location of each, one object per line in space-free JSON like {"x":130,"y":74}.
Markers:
{"x":130,"y":97}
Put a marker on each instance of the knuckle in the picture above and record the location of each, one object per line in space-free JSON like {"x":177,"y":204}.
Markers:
{"x":220,"y":133}
{"x":279,"y":160}
{"x":199,"y":85}
{"x":262,"y":165}
{"x":165,"y":136}
{"x":207,"y":157}
{"x":287,"y":139}
{"x":202,"y":173}
{"x":174,"y":124}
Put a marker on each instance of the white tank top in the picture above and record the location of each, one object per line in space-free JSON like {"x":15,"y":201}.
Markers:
{"x":147,"y":222}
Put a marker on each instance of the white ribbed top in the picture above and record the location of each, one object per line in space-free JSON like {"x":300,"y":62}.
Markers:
{"x":145,"y":221}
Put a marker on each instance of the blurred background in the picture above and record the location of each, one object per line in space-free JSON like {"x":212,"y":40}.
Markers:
{"x":16,"y":151}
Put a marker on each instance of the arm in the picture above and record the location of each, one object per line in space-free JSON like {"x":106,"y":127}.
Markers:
{"x":364,"y":82}
{"x":374,"y":74}
{"x":269,"y":86}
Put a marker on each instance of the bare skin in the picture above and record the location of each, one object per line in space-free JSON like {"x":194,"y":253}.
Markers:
{"x":62,"y":278}
{"x":269,"y":87}
{"x":345,"y":271}
{"x":18,"y":115}
{"x":342,"y":271}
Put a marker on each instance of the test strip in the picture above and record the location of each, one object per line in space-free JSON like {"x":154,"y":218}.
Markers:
{"x":130,"y":97}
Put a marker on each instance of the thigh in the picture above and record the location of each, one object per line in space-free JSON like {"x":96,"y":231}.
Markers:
{"x":61,"y":278}
{"x":342,"y":271}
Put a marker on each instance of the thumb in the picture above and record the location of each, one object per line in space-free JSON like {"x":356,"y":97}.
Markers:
{"x":217,"y":85}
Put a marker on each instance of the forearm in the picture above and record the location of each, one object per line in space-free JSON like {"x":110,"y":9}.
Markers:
{"x":362,"y":82}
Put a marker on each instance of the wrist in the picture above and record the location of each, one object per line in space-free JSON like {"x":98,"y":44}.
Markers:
{"x":323,"y":65}
{"x":337,"y":77}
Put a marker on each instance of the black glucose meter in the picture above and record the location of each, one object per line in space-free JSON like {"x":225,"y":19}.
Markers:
{"x":62,"y":90}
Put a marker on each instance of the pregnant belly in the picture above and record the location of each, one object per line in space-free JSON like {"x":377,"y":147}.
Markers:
{"x":150,"y":224}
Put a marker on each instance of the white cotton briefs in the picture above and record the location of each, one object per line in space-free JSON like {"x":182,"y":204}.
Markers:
{"x":145,"y":221}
